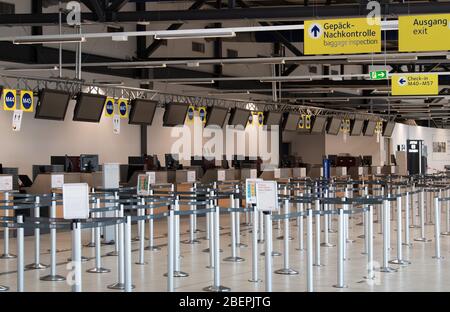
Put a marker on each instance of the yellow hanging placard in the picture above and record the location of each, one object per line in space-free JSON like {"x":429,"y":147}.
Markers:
{"x":260,"y":118}
{"x":122,"y":104}
{"x":9,"y":99}
{"x":109,"y":107}
{"x":342,"y":36}
{"x":308,"y":122}
{"x":202,"y":114}
{"x":301,"y":122}
{"x":415,"y":84}
{"x":190,"y":114}
{"x":424,"y":33}
{"x":26,"y":101}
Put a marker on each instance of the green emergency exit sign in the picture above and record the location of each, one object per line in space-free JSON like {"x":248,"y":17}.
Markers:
{"x":378,"y":75}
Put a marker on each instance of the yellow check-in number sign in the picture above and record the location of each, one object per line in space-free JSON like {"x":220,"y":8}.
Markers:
{"x":415,"y":84}
{"x":342,"y":36}
{"x":424,"y":32}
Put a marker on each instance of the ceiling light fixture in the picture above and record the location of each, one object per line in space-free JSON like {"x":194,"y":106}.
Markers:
{"x":12,"y":69}
{"x":190,"y":82}
{"x":137,"y":67}
{"x":194,"y":35}
{"x":49,"y":40}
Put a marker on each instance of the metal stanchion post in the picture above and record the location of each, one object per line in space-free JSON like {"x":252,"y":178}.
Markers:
{"x":348,"y":194}
{"x":268,"y":251}
{"x":340,"y":254}
{"x":170,"y":250}
{"x":261,"y":228}
{"x":76,"y":256}
{"x":255,"y":246}
{"x":422,"y":237}
{"x":20,"y":255}
{"x":98,"y":257}
{"x":115,"y":252}
{"x":309,"y":250}
{"x":326,"y":220}
{"x":127,"y":252}
{"x":317,"y":241}
{"x":120,"y":285}
{"x":233,"y":245}
{"x":6,"y":254}
{"x":177,"y":264}
{"x":91,"y":243}
{"x":139,"y":211}
{"x":413,"y":211}
{"x":151,"y":229}
{"x":141,"y":260}
{"x":216,"y":287}
{"x":399,"y":259}
{"x":238,"y":220}
{"x":437,"y":229}
{"x":370,"y":271}
{"x":429,"y":208}
{"x":37,"y":265}
{"x":53,"y":276}
{"x":286,"y":270}
{"x":300,"y":208}
{"x":192,"y":232}
{"x":386,"y":229}
{"x":447,"y":214}
{"x":407,"y":212}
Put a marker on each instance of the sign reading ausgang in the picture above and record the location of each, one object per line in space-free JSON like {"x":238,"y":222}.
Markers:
{"x":26,"y":101}
{"x":424,"y":32}
{"x":339,"y":36}
{"x":415,"y":84}
{"x":9,"y":99}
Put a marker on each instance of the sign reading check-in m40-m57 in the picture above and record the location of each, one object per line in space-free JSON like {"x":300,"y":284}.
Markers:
{"x":415,"y":84}
{"x":342,"y":36}
{"x":424,"y":32}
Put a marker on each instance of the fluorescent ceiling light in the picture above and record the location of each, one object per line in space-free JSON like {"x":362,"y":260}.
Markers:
{"x":52,"y":68}
{"x":190,"y":82}
{"x":194,"y":34}
{"x":193,"y":64}
{"x":49,"y":40}
{"x":119,"y":38}
{"x":137,"y":67}
{"x":281,"y":79}
{"x":380,"y":58}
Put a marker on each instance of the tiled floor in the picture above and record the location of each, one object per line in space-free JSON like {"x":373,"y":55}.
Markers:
{"x":424,"y":273}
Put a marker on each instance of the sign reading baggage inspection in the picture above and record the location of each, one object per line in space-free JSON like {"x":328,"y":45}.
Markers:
{"x":339,"y":36}
{"x":424,"y":32}
{"x":415,"y":84}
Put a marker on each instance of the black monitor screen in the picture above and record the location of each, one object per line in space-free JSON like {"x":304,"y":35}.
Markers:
{"x":142,"y":112}
{"x":318,"y":125}
{"x":272,"y":118}
{"x":388,"y":128}
{"x":291,"y":122}
{"x":369,"y":127}
{"x":52,"y":104}
{"x":239,"y":117}
{"x":216,"y":116}
{"x":171,"y":161}
{"x":89,"y":107}
{"x":356,"y":127}
{"x":175,"y":114}
{"x":334,"y":125}
{"x":88,"y":163}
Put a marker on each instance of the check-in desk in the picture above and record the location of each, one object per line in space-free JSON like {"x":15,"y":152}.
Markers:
{"x":212,"y":175}
{"x":388,"y":170}
{"x":267,"y":175}
{"x":358,"y":172}
{"x":183,"y":176}
{"x":248,"y":174}
{"x":43,"y":182}
{"x":314,"y":172}
{"x":161,"y":177}
{"x":338,"y":171}
{"x":299,"y":172}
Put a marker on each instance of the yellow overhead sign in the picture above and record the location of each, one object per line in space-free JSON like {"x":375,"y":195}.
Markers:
{"x":342,"y":36}
{"x":424,"y":32}
{"x":415,"y":84}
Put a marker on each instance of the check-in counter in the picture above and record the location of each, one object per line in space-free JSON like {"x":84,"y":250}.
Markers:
{"x":375,"y":170}
{"x":161,"y":177}
{"x":386,"y":169}
{"x":285,"y":173}
{"x":248,"y":174}
{"x":358,"y":172}
{"x":183,"y":176}
{"x":267,"y":175}
{"x":212,"y":175}
{"x":338,"y":171}
{"x":315,"y":172}
{"x":299,"y":172}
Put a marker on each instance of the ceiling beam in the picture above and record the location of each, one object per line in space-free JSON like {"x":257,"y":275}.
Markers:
{"x":279,"y":13}
{"x":116,"y":5}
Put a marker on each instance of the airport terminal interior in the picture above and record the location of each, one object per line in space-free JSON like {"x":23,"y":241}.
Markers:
{"x":206,"y":146}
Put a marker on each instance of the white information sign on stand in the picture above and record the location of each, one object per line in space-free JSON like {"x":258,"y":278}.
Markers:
{"x":75,"y":201}
{"x":191,"y":176}
{"x":276,"y":173}
{"x":378,"y":171}
{"x":220,"y":175}
{"x":253,"y":174}
{"x":267,"y":196}
{"x":151,"y":177}
{"x":57,"y":181}
{"x":111,"y":176}
{"x":344,"y":171}
{"x":250,"y":191}
{"x":143,"y":185}
{"x":360,"y":171}
{"x":116,"y":124}
{"x":6,"y":183}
